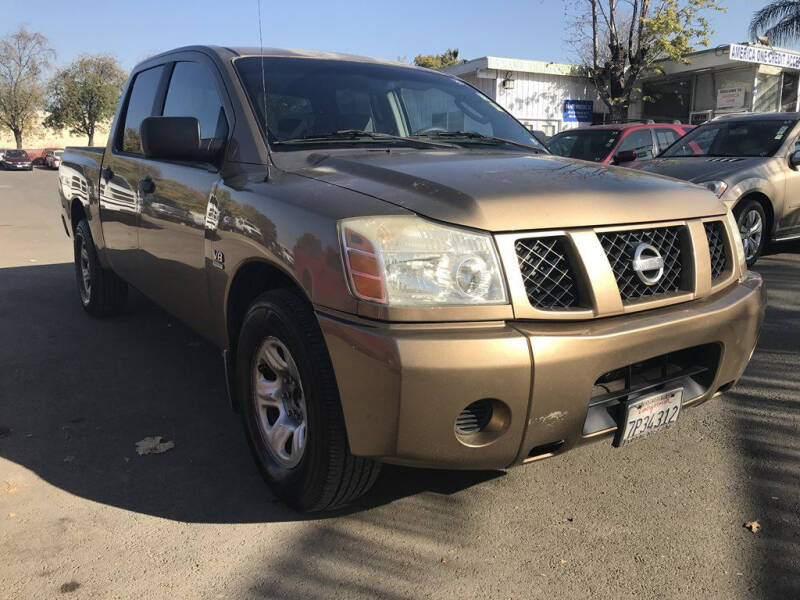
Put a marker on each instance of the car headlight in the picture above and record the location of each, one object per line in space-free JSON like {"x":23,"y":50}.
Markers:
{"x":409,"y":261}
{"x":738,"y":247}
{"x":718,"y":187}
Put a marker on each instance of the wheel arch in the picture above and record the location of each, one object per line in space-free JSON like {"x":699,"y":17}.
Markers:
{"x":251,"y":279}
{"x":766,"y":204}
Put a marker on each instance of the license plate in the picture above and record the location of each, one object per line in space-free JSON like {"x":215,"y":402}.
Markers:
{"x":650,"y":414}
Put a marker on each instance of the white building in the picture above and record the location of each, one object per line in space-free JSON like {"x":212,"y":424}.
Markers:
{"x":726,"y":79}
{"x":543,"y":95}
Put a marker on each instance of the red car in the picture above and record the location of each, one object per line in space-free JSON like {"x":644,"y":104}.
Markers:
{"x":616,"y":143}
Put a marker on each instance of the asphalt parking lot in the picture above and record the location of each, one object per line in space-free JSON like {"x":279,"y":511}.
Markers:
{"x":81,"y":514}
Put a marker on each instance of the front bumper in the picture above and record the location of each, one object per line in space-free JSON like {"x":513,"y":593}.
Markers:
{"x":402,"y":386}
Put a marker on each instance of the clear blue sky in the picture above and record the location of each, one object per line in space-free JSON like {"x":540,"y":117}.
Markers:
{"x":132,"y":30}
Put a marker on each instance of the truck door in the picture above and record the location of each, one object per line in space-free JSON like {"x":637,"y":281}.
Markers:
{"x":174,"y":200}
{"x":124,"y":166}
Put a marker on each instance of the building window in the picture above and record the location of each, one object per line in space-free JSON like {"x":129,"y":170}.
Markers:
{"x":667,"y":100}
{"x":789,"y":92}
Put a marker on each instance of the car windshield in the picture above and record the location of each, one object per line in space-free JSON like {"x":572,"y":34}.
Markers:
{"x":314,"y":101}
{"x":585,"y":144}
{"x":733,"y":138}
{"x":58,"y":153}
{"x":16,"y":154}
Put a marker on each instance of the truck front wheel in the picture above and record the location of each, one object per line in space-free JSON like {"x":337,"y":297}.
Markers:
{"x":290,"y":407}
{"x":101,"y":291}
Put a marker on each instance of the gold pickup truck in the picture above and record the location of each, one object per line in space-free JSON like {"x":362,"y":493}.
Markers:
{"x":396,"y":270}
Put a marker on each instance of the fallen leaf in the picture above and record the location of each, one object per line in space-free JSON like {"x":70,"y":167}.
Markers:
{"x":12,"y":515}
{"x":11,"y":488}
{"x":451,"y":551}
{"x":153,"y":445}
{"x":753,"y":526}
{"x":563,"y":561}
{"x":444,"y":560}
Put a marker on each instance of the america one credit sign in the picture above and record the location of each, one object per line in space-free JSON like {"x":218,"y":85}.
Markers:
{"x":765,"y":56}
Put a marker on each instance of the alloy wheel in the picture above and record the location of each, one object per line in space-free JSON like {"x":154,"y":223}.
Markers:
{"x":751,"y":228}
{"x":280,"y":404}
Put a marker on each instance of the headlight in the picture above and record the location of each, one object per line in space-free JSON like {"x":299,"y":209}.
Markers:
{"x":718,"y":187}
{"x":738,"y":247}
{"x":409,"y":261}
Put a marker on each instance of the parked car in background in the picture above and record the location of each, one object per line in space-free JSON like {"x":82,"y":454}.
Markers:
{"x":16,"y":160}
{"x":396,"y":271}
{"x":751,"y":162}
{"x":52,"y":158}
{"x":616,"y":144}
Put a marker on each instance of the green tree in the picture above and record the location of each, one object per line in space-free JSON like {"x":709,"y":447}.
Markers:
{"x":24,"y":55}
{"x":627,"y":38}
{"x":779,"y":21}
{"x":438,"y":61}
{"x":84,"y":95}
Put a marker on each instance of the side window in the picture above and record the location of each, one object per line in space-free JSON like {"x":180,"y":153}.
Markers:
{"x":640,"y":141}
{"x":140,"y":106}
{"x":193,"y":93}
{"x":665,"y":138}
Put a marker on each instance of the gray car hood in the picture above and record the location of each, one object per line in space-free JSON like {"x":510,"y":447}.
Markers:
{"x":699,"y":169}
{"x":509,"y":191}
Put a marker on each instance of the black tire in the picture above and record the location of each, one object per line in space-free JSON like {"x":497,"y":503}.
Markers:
{"x":327,"y":475}
{"x":106,"y":293}
{"x":744,"y":212}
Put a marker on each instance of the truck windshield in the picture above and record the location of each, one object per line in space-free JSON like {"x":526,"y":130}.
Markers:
{"x":321,"y":101}
{"x":584,"y":144}
{"x":733,"y":138}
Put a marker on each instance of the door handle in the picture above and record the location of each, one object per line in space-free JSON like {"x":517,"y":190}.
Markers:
{"x":147,"y":186}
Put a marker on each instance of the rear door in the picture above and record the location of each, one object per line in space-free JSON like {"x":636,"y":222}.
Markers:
{"x":175,"y":200}
{"x":124,"y":166}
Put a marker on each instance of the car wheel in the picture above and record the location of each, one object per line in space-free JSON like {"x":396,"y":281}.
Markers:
{"x":752,"y":222}
{"x":101,"y":291}
{"x":290,"y":407}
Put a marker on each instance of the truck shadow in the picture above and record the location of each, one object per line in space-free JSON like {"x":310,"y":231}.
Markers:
{"x":766,"y":411}
{"x":78,"y":393}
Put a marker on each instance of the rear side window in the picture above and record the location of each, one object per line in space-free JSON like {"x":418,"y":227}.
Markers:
{"x":193,"y":93}
{"x":140,"y":106}
{"x":640,"y":141}
{"x":665,"y":138}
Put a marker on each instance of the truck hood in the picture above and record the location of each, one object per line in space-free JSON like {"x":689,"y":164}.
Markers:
{"x":503,"y":191}
{"x":699,"y":169}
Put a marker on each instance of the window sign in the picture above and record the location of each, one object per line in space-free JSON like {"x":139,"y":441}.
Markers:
{"x":730,"y":97}
{"x":578,"y":111}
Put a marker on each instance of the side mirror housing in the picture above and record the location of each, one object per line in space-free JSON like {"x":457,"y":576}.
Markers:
{"x":624,"y":156}
{"x":174,"y":138}
{"x":794,"y":159}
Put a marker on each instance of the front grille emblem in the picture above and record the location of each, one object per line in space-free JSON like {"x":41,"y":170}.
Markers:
{"x":648,"y":264}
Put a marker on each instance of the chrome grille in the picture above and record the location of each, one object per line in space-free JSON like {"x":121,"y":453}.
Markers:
{"x":716,"y":248}
{"x":546,"y":273}
{"x":620,"y":246}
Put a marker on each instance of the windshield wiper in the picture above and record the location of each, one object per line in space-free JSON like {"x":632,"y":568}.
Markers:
{"x":474,"y":135}
{"x":355,"y":134}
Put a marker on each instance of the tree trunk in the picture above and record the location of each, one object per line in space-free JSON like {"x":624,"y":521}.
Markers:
{"x":91,"y":138}
{"x":619,"y":113}
{"x":18,"y":138}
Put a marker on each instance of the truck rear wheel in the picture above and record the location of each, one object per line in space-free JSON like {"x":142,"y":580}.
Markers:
{"x":101,"y":291}
{"x":290,"y":407}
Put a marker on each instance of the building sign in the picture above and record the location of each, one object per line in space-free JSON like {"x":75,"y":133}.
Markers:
{"x":765,"y":56}
{"x":578,"y":111}
{"x":730,"y":97}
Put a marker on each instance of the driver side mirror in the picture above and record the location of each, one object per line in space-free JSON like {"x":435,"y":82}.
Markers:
{"x":175,"y":138}
{"x":794,"y":159}
{"x":624,"y":156}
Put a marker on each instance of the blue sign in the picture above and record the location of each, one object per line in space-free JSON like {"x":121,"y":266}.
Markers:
{"x":578,"y":111}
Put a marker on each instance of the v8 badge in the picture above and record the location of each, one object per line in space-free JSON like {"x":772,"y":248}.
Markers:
{"x":219,"y":259}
